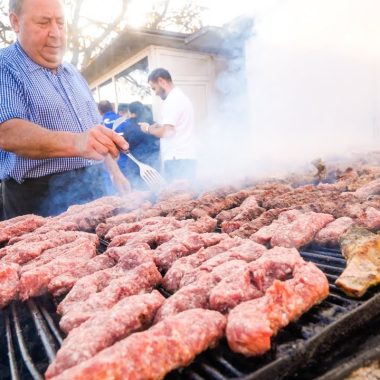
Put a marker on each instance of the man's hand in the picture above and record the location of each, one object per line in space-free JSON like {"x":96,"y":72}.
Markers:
{"x":157,"y":130}
{"x":98,"y":142}
{"x":32,"y":141}
{"x":144,"y":127}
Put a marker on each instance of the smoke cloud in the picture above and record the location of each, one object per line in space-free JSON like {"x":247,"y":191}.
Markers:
{"x":307,"y":88}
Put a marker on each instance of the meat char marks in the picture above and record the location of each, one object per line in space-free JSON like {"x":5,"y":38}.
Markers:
{"x":62,"y":283}
{"x":183,"y":244}
{"x":35,"y":244}
{"x":369,"y":217}
{"x":246,"y":251}
{"x":172,"y":343}
{"x":248,"y":210}
{"x":159,"y":233}
{"x":183,"y":265}
{"x":126,"y":217}
{"x":369,"y":189}
{"x":41,"y":266}
{"x":253,"y":279}
{"x":127,"y":258}
{"x":20,"y":225}
{"x":251,"y":324}
{"x":9,"y":280}
{"x":141,"y":279}
{"x":196,"y":294}
{"x":213,"y":202}
{"x":145,"y":225}
{"x":361,"y":249}
{"x":301,"y":231}
{"x":35,"y":279}
{"x":320,"y":199}
{"x":103,"y":329}
{"x":332,"y":232}
{"x":245,"y":230}
{"x":292,"y":229}
{"x":86,"y":217}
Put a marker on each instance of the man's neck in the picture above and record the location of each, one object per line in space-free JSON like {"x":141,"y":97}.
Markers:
{"x":169,"y":89}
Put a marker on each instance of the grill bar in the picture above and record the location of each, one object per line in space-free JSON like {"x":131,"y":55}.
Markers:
{"x":10,"y":347}
{"x":211,"y":371}
{"x":42,"y":330}
{"x":227,"y":366}
{"x":329,"y":269}
{"x":23,"y":348}
{"x":51,"y":325}
{"x":338,"y":300}
{"x":365,"y":353}
{"x":336,"y":261}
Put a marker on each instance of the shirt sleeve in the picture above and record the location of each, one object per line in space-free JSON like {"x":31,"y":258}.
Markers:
{"x":13,"y":103}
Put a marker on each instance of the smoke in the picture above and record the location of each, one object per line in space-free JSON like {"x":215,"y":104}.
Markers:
{"x":308,"y":87}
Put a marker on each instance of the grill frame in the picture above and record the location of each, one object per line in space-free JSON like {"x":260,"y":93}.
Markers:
{"x":336,"y":318}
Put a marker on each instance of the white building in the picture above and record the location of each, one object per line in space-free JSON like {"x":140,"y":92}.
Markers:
{"x":195,"y":62}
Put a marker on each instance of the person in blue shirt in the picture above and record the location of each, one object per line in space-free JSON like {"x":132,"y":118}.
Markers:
{"x":123,"y":112}
{"x":144,"y":147}
{"x":52,"y":146}
{"x":107,"y":113}
{"x":123,"y":109}
{"x":108,"y":119}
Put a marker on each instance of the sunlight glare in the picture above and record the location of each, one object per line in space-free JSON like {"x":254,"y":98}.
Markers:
{"x":137,"y":12}
{"x":95,"y":10}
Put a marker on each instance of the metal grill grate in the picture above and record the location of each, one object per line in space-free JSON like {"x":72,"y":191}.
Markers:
{"x":30,"y":335}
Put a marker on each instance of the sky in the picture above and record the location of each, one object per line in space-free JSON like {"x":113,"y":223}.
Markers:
{"x":221,"y":12}
{"x":218,"y":13}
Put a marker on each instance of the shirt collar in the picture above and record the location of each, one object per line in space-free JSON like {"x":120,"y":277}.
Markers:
{"x":33,"y":66}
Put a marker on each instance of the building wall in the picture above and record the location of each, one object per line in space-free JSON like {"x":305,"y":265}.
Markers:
{"x":193,"y":72}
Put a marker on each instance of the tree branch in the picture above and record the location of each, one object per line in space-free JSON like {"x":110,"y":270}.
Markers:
{"x":88,"y":53}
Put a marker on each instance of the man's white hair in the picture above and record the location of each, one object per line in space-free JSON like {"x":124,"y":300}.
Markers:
{"x":15,"y":6}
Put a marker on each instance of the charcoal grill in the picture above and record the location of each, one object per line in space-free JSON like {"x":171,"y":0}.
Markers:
{"x":30,"y":337}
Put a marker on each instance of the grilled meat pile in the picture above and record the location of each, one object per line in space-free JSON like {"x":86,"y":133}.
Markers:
{"x":245,"y":282}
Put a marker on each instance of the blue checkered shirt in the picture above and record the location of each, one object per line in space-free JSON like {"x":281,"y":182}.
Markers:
{"x":59,"y":101}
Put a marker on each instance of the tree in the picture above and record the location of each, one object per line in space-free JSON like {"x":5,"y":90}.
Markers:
{"x":6,"y":34}
{"x":183,"y":19}
{"x":90,"y":32}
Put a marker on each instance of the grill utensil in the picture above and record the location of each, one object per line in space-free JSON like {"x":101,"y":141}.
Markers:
{"x":149,"y":175}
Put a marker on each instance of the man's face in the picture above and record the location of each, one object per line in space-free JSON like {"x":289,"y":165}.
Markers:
{"x":159,"y":88}
{"x":41,"y":31}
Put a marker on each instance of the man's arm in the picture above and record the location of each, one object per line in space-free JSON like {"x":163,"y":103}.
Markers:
{"x":35,"y":142}
{"x":119,"y":180}
{"x":158,"y":130}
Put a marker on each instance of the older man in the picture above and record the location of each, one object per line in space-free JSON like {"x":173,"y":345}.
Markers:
{"x":52,"y":145}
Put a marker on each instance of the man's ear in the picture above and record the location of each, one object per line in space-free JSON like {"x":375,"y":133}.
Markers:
{"x":14,"y":22}
{"x":161,"y":82}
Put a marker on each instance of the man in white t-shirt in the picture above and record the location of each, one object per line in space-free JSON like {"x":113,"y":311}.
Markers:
{"x":176,"y":129}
